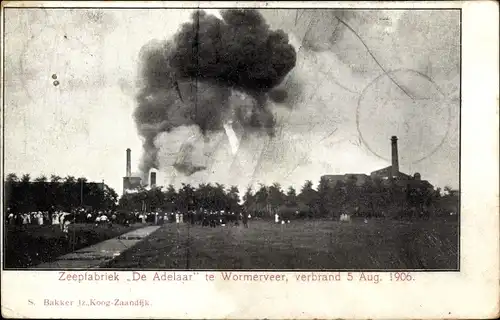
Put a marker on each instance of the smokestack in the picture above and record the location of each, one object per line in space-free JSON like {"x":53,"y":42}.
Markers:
{"x":152,"y":180}
{"x":129,"y":170}
{"x":395,"y":161}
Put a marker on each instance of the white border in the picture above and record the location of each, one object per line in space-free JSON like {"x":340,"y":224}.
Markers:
{"x":471,"y":293}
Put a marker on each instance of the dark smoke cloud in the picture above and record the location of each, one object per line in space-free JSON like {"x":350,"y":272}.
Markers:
{"x":278,"y":95}
{"x":193,"y":78}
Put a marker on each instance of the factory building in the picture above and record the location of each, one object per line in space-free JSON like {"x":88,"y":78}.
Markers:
{"x":409,"y":191}
{"x":390,"y":174}
{"x":132,"y":184}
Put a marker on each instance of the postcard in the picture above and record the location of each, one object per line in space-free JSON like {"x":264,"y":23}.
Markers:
{"x":250,"y":160}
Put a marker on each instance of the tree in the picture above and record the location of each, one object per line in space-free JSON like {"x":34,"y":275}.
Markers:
{"x":69,"y":179}
{"x":79,"y":192}
{"x":221,"y":200}
{"x":248,"y":200}
{"x":185,"y":198}
{"x":81,"y":180}
{"x":201,"y":195}
{"x":262,"y":201}
{"x":379,"y":198}
{"x":45,"y":195}
{"x":55,"y":178}
{"x":326,"y":198}
{"x":40,"y":193}
{"x":155,"y":199}
{"x":41,"y":179}
{"x":234,"y":199}
{"x":12,"y":200}
{"x":170,"y":199}
{"x":308,"y":197}
{"x":12,"y":177}
{"x":110,"y":198}
{"x":55,"y":191}
{"x":26,"y":178}
{"x":25,"y":191}
{"x":276,"y":197}
{"x":370,"y":201}
{"x":291,"y":197}
{"x":352,"y":194}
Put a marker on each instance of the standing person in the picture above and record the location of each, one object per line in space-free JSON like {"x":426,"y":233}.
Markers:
{"x":55,"y":218}
{"x":11,"y":218}
{"x":276,"y":218}
{"x":40,"y":218}
{"x":104,"y":218}
{"x":65,"y":224}
{"x":46,"y":218}
{"x":51,"y":213}
{"x":245,"y":219}
{"x":61,"y":220}
{"x":18,"y":219}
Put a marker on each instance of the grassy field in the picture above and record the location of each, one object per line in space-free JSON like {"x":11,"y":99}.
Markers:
{"x":32,"y":245}
{"x":299,"y":245}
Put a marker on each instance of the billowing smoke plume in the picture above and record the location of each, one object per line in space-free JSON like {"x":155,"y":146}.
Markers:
{"x":199,"y":76}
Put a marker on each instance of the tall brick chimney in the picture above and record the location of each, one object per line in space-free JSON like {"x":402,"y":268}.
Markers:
{"x":395,"y":161}
{"x":128,"y":168}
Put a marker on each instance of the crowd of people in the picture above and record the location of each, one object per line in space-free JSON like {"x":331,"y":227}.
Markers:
{"x":38,"y":218}
{"x":205,"y":218}
{"x":60,"y":218}
{"x":83,"y":215}
{"x":194,"y":217}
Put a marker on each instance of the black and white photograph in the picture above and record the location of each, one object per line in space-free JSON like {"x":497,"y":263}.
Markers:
{"x":232,"y":138}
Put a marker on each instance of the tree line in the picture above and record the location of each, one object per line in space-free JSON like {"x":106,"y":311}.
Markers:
{"x":372,"y":198}
{"x":187,"y":198}
{"x":24,"y":194}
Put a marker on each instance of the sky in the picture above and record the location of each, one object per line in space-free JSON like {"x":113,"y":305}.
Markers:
{"x":360,"y":77}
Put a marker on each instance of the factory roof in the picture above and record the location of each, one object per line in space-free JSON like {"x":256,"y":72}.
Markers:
{"x":387,"y":172}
